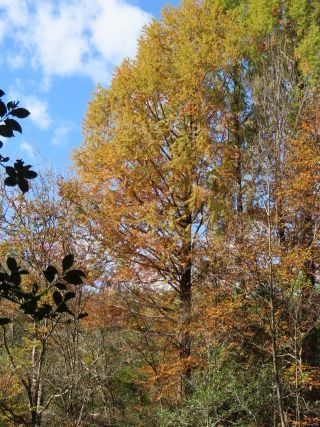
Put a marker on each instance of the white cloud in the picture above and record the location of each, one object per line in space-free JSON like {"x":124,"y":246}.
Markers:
{"x":28,"y":148}
{"x":61,"y":133}
{"x":39,"y":109}
{"x":69,"y":37}
{"x":15,"y":60}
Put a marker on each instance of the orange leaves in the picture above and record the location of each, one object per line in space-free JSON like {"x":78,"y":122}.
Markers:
{"x":104,"y":310}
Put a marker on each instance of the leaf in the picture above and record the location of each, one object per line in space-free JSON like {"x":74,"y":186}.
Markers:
{"x":10,"y":181}
{"x":13,"y":124}
{"x":12,"y":104}
{"x":77,"y":272}
{"x":10,"y":171}
{"x":21,"y":113}
{"x":61,"y":286}
{"x":18,"y":165}
{"x":6,"y":131}
{"x":67,"y":262}
{"x":12,"y":264}
{"x":74,"y":277}
{"x":4,"y":321}
{"x":30,"y":174}
{"x":63,"y":308}
{"x":15,"y":278}
{"x":82,"y":315}
{"x":30,"y":306}
{"x":44,"y":311}
{"x":57,"y":297}
{"x":23,"y":185}
{"x":69,"y":295}
{"x":1,"y":93}
{"x":3,"y":109}
{"x":50,"y":273}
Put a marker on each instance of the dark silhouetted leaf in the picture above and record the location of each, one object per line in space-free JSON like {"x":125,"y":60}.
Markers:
{"x":82,"y":315}
{"x":12,"y":104}
{"x":74,"y":277}
{"x":3,"y":109}
{"x":68,"y":296}
{"x":67,"y":262}
{"x":6,"y":131}
{"x":15,"y":278}
{"x":1,"y":93}
{"x":61,"y":286}
{"x":30,"y":306}
{"x":23,"y":185}
{"x":30,"y":174}
{"x":50,"y":273}
{"x":11,"y":181}
{"x":57,"y":297}
{"x":63,"y":308}
{"x":12,"y":264}
{"x":13,"y":124}
{"x":10,"y":171}
{"x":21,"y":113}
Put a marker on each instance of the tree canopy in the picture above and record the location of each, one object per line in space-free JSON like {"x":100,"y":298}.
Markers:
{"x":195,"y":210}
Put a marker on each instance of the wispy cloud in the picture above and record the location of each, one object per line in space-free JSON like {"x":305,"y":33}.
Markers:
{"x":39,"y":108}
{"x":61,"y":133}
{"x":29,"y":149}
{"x":68,"y":37}
{"x":39,"y":111}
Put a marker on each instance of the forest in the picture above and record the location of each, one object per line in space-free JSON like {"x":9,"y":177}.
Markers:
{"x":173,"y":279}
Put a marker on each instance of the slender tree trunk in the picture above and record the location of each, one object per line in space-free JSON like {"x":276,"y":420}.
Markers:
{"x":185,"y":316}
{"x":273,"y":326}
{"x":237,"y":137}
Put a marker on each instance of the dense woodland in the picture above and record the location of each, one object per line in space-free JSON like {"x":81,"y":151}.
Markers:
{"x":194,"y":212}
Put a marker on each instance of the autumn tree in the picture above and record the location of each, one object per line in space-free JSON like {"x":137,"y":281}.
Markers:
{"x":187,"y":182}
{"x":149,"y":153}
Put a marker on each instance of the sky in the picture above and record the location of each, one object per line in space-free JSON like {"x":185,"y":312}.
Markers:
{"x":54,"y":53}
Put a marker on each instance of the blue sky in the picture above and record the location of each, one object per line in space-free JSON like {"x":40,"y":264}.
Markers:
{"x":54,"y":52}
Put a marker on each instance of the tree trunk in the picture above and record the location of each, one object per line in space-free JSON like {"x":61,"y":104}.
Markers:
{"x":273,"y":326}
{"x":185,"y":316}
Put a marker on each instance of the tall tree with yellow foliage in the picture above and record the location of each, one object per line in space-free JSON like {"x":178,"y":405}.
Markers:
{"x":188,"y":160}
{"x":152,"y":144}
